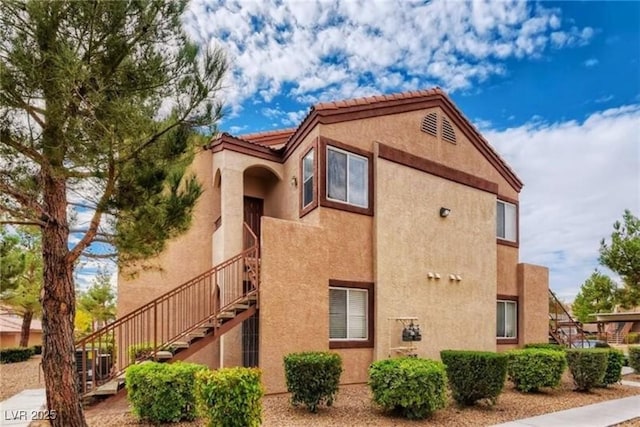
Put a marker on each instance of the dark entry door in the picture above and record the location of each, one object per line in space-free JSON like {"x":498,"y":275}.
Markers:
{"x":253,"y":211}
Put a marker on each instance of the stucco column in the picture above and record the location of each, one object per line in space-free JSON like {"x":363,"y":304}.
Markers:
{"x":232,"y":213}
{"x":533,"y":288}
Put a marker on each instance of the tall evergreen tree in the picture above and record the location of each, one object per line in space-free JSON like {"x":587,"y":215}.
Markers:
{"x":622,"y":255}
{"x":597,"y":295}
{"x":23,"y":285}
{"x":99,"y":101}
{"x":99,"y":300}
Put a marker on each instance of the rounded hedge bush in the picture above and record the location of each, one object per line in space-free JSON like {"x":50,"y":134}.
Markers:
{"x":313,"y":377}
{"x":475,"y":375}
{"x":230,"y":397}
{"x":634,"y":358}
{"x":615,"y":361}
{"x":588,"y":366}
{"x":162,"y":392}
{"x":412,"y":387}
{"x":533,"y":368}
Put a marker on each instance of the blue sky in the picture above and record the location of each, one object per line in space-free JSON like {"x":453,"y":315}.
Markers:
{"x":553,"y":86}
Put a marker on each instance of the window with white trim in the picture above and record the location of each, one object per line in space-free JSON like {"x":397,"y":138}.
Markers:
{"x":506,"y":223}
{"x":348,"y":314}
{"x":507,"y":319}
{"x":347,"y":177}
{"x":307,"y":179}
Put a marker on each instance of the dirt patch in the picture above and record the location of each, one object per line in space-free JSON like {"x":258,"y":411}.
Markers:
{"x":15,"y":377}
{"x":353,"y":407}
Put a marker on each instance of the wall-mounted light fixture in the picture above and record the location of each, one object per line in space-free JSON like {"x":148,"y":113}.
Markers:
{"x":294,"y":181}
{"x":444,"y":212}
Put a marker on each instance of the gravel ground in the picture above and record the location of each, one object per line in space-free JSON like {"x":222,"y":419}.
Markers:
{"x":15,"y":377}
{"x":353,"y":407}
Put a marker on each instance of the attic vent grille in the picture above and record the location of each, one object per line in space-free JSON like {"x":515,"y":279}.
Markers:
{"x":448,"y":134}
{"x":430,"y":124}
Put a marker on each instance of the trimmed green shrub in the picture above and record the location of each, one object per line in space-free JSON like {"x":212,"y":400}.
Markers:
{"x":475,"y":375}
{"x":615,"y":361}
{"x":230,"y":397}
{"x":15,"y":354}
{"x":545,"y":345}
{"x":634,"y":358}
{"x":313,"y":377}
{"x":37,"y":349}
{"x":412,"y":387}
{"x":162,"y":392}
{"x":143,"y":351}
{"x":632,"y":338}
{"x":588,"y":367}
{"x":533,"y":368}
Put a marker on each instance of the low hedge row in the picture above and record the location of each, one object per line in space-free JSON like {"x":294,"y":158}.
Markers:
{"x":545,"y":345}
{"x":475,"y":375}
{"x":16,"y":354}
{"x":312,"y":378}
{"x":412,"y":387}
{"x":173,"y":392}
{"x":613,"y":373}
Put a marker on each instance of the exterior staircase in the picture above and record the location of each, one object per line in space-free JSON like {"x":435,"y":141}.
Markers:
{"x":175,"y":325}
{"x":618,"y":332}
{"x":563,"y":329}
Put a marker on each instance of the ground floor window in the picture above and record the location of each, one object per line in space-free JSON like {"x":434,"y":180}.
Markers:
{"x":507,"y":319}
{"x":350,"y":314}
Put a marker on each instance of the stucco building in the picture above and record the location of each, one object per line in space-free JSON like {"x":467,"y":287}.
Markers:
{"x":372,"y":213}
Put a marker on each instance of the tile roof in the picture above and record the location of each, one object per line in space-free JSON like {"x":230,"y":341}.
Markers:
{"x":268,"y":138}
{"x":376,"y":99}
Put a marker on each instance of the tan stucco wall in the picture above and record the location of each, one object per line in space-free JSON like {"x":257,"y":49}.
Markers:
{"x":402,"y":131}
{"x":412,"y":240}
{"x":507,"y":262}
{"x":533,"y":286}
{"x":12,"y":339}
{"x":294,"y":296}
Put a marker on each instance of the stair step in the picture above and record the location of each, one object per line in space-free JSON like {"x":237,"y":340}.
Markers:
{"x":196,"y":334}
{"x":106,"y":389}
{"x":180,"y":344}
{"x":164,"y":355}
{"x":240,"y":306}
{"x":226,"y":315}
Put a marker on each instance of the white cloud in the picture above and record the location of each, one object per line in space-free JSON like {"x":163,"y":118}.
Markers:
{"x":603,"y":99}
{"x":318,"y":50}
{"x":579,"y":177}
{"x":591,"y":62}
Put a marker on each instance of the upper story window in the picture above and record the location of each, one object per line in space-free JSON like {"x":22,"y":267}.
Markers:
{"x":308,"y":178}
{"x":506,"y":221}
{"x":347,"y":177}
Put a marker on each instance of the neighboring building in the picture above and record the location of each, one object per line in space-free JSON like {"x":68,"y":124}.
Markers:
{"x":11,"y":327}
{"x":371,"y":210}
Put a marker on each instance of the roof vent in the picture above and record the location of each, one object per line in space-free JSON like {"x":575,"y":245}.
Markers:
{"x":430,"y":124}
{"x":448,"y":134}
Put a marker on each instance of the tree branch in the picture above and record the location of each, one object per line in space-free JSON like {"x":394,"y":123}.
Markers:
{"x":99,"y":256}
{"x":15,"y":222}
{"x":7,"y":139}
{"x":79,"y":248}
{"x":23,"y":199}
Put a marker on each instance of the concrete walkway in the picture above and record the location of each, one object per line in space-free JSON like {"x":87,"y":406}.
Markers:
{"x":21,"y":409}
{"x":597,"y":415}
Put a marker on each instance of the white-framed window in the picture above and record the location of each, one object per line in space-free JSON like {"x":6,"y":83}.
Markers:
{"x":307,"y":178}
{"x":348,"y":314}
{"x":347,"y":177}
{"x":506,"y":222}
{"x":507,"y":319}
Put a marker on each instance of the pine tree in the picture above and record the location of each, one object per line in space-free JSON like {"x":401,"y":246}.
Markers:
{"x":597,"y":295}
{"x":22,"y":293}
{"x":99,"y":300}
{"x":99,"y":104}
